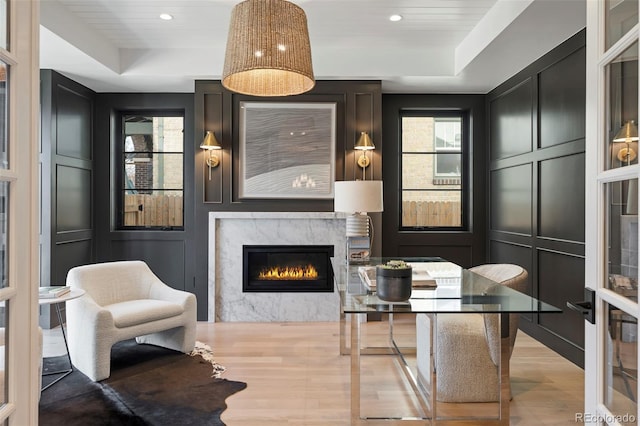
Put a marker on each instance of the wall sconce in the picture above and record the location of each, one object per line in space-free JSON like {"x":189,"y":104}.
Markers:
{"x":210,"y":143}
{"x":627,"y":134}
{"x":364,"y":144}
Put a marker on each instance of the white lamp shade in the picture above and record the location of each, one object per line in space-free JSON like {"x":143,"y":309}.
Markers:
{"x":361,"y":196}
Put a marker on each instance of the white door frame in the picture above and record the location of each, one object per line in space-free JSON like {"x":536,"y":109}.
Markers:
{"x":596,"y":179}
{"x":20,"y":295}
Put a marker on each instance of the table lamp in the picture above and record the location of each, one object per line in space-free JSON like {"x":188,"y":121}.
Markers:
{"x":359,"y":197}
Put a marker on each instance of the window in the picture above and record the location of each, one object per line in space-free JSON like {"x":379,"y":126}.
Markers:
{"x":432,"y":169}
{"x":447,"y":139}
{"x":152,"y":180}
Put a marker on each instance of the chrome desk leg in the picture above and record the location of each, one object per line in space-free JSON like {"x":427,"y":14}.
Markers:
{"x":505,"y":387}
{"x":433,"y":320}
{"x":410,"y":377}
{"x":355,"y":368}
{"x":343,"y":331}
{"x":503,"y":371}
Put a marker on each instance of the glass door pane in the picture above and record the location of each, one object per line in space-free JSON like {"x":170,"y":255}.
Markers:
{"x":4,"y":27}
{"x":620,"y":17}
{"x":621,"y":372}
{"x":4,"y":103}
{"x":4,"y":308}
{"x":621,"y":338}
{"x":622,"y":74}
{"x":4,"y":209}
{"x":622,"y":262}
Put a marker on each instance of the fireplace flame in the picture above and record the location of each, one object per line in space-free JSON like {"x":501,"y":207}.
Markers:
{"x":308,"y":272}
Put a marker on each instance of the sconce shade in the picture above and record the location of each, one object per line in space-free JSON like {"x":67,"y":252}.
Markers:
{"x":268,"y":50}
{"x":361,"y":196}
{"x":628,"y":132}
{"x":210,"y":142}
{"x":364,"y":142}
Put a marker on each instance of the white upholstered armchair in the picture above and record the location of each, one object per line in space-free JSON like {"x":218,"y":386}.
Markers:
{"x":124,"y":300}
{"x":467,"y":345}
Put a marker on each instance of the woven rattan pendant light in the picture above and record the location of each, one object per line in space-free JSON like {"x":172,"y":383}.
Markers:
{"x":268,"y":50}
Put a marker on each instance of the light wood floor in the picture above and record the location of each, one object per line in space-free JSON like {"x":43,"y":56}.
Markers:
{"x":296,"y":376}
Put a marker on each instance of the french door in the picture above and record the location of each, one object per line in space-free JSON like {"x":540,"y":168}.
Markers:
{"x":612,"y":171}
{"x":19,"y":123}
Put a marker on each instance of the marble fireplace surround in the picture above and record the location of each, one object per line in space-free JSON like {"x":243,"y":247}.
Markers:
{"x":229,"y":231}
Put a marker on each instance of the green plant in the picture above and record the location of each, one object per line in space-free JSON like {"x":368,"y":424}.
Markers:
{"x":395,"y":264}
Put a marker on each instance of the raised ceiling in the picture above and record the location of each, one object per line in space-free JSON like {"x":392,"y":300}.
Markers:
{"x":441,"y":46}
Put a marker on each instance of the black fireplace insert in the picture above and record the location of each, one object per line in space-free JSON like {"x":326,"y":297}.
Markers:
{"x":288,"y":269}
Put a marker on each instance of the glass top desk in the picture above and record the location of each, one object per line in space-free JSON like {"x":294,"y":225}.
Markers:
{"x":458,"y":291}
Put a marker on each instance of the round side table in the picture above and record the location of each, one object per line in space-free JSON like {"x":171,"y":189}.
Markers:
{"x":57,"y":301}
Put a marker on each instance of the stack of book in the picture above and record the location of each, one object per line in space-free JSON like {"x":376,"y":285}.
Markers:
{"x":53,"y":291}
{"x":368,"y":276}
{"x":422,"y":279}
{"x":358,"y":249}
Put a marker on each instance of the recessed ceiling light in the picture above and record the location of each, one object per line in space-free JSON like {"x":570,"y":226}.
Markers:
{"x":166,"y":17}
{"x":395,"y":18}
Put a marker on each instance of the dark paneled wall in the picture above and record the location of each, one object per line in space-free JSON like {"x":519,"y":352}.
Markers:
{"x":536,"y":187}
{"x":66,"y":161}
{"x":359,"y":108}
{"x":170,"y":254}
{"x":178,"y":257}
{"x":466,"y":248}
{"x":535,"y":158}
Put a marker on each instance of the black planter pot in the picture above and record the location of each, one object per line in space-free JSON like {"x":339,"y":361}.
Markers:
{"x":393,"y":285}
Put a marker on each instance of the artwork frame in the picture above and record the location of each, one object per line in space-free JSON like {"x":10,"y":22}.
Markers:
{"x":287,"y":150}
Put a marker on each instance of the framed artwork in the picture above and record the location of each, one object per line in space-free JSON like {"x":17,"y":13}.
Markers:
{"x":287,"y":150}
